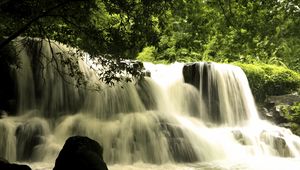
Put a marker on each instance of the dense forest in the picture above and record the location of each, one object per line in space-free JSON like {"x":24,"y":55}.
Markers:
{"x":262,"y":37}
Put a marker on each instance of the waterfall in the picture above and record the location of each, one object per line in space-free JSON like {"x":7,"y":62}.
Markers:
{"x":185,"y":113}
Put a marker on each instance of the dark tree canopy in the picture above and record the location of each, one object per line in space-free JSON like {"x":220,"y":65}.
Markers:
{"x":105,"y":29}
{"x":120,"y":28}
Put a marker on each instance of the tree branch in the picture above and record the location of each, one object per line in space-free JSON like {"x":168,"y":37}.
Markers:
{"x":35,"y":19}
{"x":224,"y":13}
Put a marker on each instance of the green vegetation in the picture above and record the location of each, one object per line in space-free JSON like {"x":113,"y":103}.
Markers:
{"x":229,"y":31}
{"x":292,"y":115}
{"x":118,"y":28}
{"x":266,"y":79}
{"x":107,"y":30}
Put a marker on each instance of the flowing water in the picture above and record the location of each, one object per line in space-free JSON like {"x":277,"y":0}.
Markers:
{"x":186,"y":116}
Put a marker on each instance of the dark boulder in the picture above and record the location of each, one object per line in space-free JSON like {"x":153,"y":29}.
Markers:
{"x":5,"y":165}
{"x":191,"y":74}
{"x":200,"y":75}
{"x":80,"y":153}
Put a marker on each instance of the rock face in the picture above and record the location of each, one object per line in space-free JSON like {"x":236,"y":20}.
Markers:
{"x":277,"y":142}
{"x":29,"y":135}
{"x":180,"y":148}
{"x":80,"y":153}
{"x":272,"y":109}
{"x":201,"y":77}
{"x":8,"y":94}
{"x":191,"y":74}
{"x":287,"y":99}
{"x":5,"y":165}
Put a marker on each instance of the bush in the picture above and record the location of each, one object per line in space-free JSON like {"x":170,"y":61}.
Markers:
{"x":147,"y":55}
{"x":292,"y":115}
{"x":267,"y":80}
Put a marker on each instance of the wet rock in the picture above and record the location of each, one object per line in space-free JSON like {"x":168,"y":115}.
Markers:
{"x":146,"y":95}
{"x":179,"y":146}
{"x":276,"y":141}
{"x":3,"y":114}
{"x":5,"y":165}
{"x":240,"y":137}
{"x":271,"y":108}
{"x":191,"y":74}
{"x":200,"y":76}
{"x":80,"y":153}
{"x":146,"y":73}
{"x":29,"y":135}
{"x":287,"y":99}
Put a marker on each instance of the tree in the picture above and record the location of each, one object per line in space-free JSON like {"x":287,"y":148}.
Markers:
{"x":227,"y":31}
{"x":107,"y":28}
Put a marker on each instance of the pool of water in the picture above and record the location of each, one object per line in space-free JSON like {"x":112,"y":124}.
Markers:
{"x":255,"y":163}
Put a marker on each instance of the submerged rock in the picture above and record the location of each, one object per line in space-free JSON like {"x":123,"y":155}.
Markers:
{"x":240,"y":137}
{"x":80,"y":153}
{"x":5,"y":165}
{"x":277,"y":141}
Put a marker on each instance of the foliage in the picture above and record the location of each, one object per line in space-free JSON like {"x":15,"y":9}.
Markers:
{"x":228,"y":31}
{"x":95,"y":26}
{"x":147,"y":55}
{"x":108,"y":30}
{"x":292,"y":114}
{"x":266,"y":79}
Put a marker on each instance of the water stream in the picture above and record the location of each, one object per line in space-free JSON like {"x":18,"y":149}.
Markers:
{"x":196,"y":116}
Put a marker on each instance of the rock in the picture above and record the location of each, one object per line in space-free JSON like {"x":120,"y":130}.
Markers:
{"x":80,"y":153}
{"x":271,"y":108}
{"x":200,"y":76}
{"x":146,"y":73}
{"x":240,"y":137}
{"x":191,"y":74}
{"x":180,"y":147}
{"x":277,"y":141}
{"x":29,"y":135}
{"x":147,"y":96}
{"x":5,"y":165}
{"x":287,"y":99}
{"x":3,"y":114}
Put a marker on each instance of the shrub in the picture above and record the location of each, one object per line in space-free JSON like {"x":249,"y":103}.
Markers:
{"x":292,"y":115}
{"x":267,"y":80}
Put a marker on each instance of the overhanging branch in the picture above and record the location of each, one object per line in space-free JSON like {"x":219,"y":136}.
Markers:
{"x":35,"y":19}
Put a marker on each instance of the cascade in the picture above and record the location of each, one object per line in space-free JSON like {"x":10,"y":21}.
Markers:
{"x":184,"y":116}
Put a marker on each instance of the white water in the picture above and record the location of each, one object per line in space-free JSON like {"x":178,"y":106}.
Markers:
{"x":159,"y":123}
